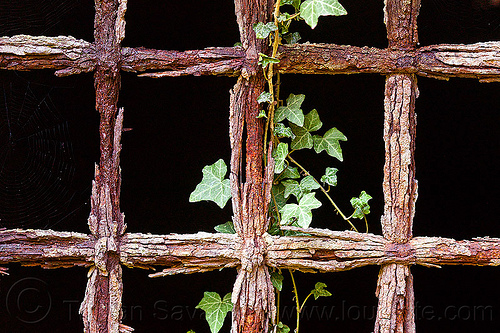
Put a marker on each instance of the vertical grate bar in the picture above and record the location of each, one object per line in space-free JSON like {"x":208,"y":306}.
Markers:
{"x":101,"y":307}
{"x":395,"y":311}
{"x":253,"y":293}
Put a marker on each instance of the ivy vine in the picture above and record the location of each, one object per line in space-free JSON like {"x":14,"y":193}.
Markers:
{"x":287,"y":129}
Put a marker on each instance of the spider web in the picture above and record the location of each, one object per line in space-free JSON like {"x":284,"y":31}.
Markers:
{"x":34,"y":17}
{"x":37,"y":164}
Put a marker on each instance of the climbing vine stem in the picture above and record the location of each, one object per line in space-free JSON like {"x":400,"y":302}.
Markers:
{"x":326,"y":194}
{"x":286,"y":130}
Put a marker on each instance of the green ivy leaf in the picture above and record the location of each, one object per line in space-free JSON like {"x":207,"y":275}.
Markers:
{"x":262,"y":30}
{"x":278,"y":201}
{"x":307,"y":184}
{"x":279,"y":154}
{"x":311,"y":10}
{"x":265,"y":60}
{"x":320,"y":291}
{"x":238,"y":44}
{"x":292,"y":38}
{"x":284,"y":22}
{"x":292,"y":110}
{"x":312,"y":122}
{"x":294,"y":3}
{"x":360,"y":205}
{"x":278,"y":197}
{"x":303,"y":138}
{"x":291,"y":187}
{"x":277,"y":280}
{"x":264,"y":97}
{"x":226,"y":228}
{"x":283,"y":17}
{"x":215,"y":309}
{"x":330,"y":143}
{"x":282,"y":328}
{"x":330,"y":176}
{"x":300,"y":214}
{"x":191,"y":331}
{"x":274,"y":227}
{"x":281,"y":131}
{"x":262,"y":114}
{"x":290,"y":172}
{"x":213,"y":186}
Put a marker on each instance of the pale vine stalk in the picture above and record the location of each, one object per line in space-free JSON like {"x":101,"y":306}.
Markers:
{"x":297,"y":302}
{"x":324,"y":191}
{"x":274,"y":90}
{"x":270,"y":74}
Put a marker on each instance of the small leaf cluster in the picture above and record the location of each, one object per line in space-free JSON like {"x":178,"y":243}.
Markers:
{"x":308,"y":10}
{"x":318,"y":291}
{"x":294,"y":189}
{"x":295,"y":131}
{"x":302,"y":126}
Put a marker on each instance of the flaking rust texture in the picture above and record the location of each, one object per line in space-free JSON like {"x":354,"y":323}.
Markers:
{"x":253,"y":293}
{"x":395,"y":312}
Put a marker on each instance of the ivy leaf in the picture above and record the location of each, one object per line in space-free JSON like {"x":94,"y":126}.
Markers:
{"x":226,"y":228}
{"x":320,"y":291}
{"x":213,"y":186}
{"x":281,"y":131}
{"x":312,"y":122}
{"x":330,"y":143}
{"x":311,"y":10}
{"x":279,"y":155}
{"x":291,"y":187}
{"x":294,"y":3}
{"x":278,"y":201}
{"x":360,"y":205}
{"x":215,"y":309}
{"x":262,"y":30}
{"x":277,"y":280}
{"x":301,"y":213}
{"x":264,"y":97}
{"x":290,"y":172}
{"x":282,"y":328}
{"x":265,"y":60}
{"x":274,"y":227}
{"x":284,"y":22}
{"x":307,"y":184}
{"x":292,"y":38}
{"x":303,"y":138}
{"x":278,"y":196}
{"x":330,"y":176}
{"x":292,"y":110}
{"x":191,"y":331}
{"x":262,"y":114}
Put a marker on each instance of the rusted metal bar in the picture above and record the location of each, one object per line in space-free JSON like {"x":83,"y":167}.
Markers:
{"x":322,"y":251}
{"x":101,"y":307}
{"x":253,"y":293}
{"x":66,"y":54}
{"x":395,"y":311}
{"x":71,"y":56}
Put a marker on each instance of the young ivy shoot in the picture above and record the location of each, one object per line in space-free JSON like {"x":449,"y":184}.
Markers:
{"x":287,"y":129}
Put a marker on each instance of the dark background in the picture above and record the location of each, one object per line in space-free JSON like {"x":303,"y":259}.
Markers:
{"x":49,"y":144}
